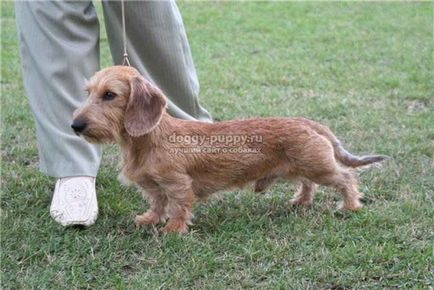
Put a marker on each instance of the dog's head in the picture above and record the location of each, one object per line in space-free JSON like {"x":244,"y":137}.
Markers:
{"x":120,"y":102}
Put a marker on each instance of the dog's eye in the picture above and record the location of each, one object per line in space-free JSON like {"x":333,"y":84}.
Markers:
{"x":108,"y":96}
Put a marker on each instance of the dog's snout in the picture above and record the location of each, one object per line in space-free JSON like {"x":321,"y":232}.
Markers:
{"x":78,"y":126}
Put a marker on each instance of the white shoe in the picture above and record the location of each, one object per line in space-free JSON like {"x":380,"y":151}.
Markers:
{"x":74,"y":201}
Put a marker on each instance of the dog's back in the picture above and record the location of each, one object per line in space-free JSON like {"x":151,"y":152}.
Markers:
{"x":231,"y":154}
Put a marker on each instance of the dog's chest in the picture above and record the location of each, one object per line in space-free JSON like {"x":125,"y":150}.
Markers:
{"x":124,"y":179}
{"x":143,"y":180}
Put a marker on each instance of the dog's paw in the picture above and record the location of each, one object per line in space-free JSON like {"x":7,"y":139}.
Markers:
{"x":175,"y":226}
{"x":148,"y":218}
{"x":353,"y":206}
{"x":299,"y":201}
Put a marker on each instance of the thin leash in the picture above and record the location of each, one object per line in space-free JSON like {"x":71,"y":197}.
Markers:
{"x":125,"y":61}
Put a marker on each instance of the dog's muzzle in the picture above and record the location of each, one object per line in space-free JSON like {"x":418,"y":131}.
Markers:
{"x":78,"y":126}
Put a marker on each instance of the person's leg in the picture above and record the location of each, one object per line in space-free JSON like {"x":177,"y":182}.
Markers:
{"x":158,"y":47}
{"x":59,"y":46}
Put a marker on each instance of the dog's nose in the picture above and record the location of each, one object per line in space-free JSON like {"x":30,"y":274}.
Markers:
{"x":78,"y":126}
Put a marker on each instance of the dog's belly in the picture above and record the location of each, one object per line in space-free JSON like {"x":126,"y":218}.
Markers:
{"x":203,"y":188}
{"x":208,"y":183}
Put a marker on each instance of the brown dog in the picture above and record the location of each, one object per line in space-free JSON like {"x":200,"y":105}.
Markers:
{"x":176,"y":162}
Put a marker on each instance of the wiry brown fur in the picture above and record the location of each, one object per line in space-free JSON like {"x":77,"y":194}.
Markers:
{"x":294,"y":149}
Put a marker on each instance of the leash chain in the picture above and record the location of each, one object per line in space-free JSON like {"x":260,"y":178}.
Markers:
{"x":125,"y":61}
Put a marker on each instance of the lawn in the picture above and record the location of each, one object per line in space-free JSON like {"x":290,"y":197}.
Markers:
{"x":363,"y":69}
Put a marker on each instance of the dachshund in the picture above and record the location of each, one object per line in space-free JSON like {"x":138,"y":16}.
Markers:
{"x":175,"y":163}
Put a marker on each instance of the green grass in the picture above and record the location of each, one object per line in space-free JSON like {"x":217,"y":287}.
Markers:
{"x":364,"y":69}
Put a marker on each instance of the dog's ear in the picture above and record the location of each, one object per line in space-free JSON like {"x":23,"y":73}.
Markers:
{"x":145,"y":107}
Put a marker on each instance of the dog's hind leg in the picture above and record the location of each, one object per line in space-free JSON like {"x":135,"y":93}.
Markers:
{"x":305,"y":193}
{"x":344,"y":181}
{"x":316,"y":162}
{"x":346,"y":184}
{"x":262,"y":184}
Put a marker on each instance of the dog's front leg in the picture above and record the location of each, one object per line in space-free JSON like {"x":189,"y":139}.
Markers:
{"x":179,"y":213}
{"x":178,"y":209}
{"x":156,"y":212}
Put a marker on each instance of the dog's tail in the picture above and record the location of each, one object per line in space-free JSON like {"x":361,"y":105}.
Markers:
{"x":342,"y":155}
{"x":348,"y":159}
